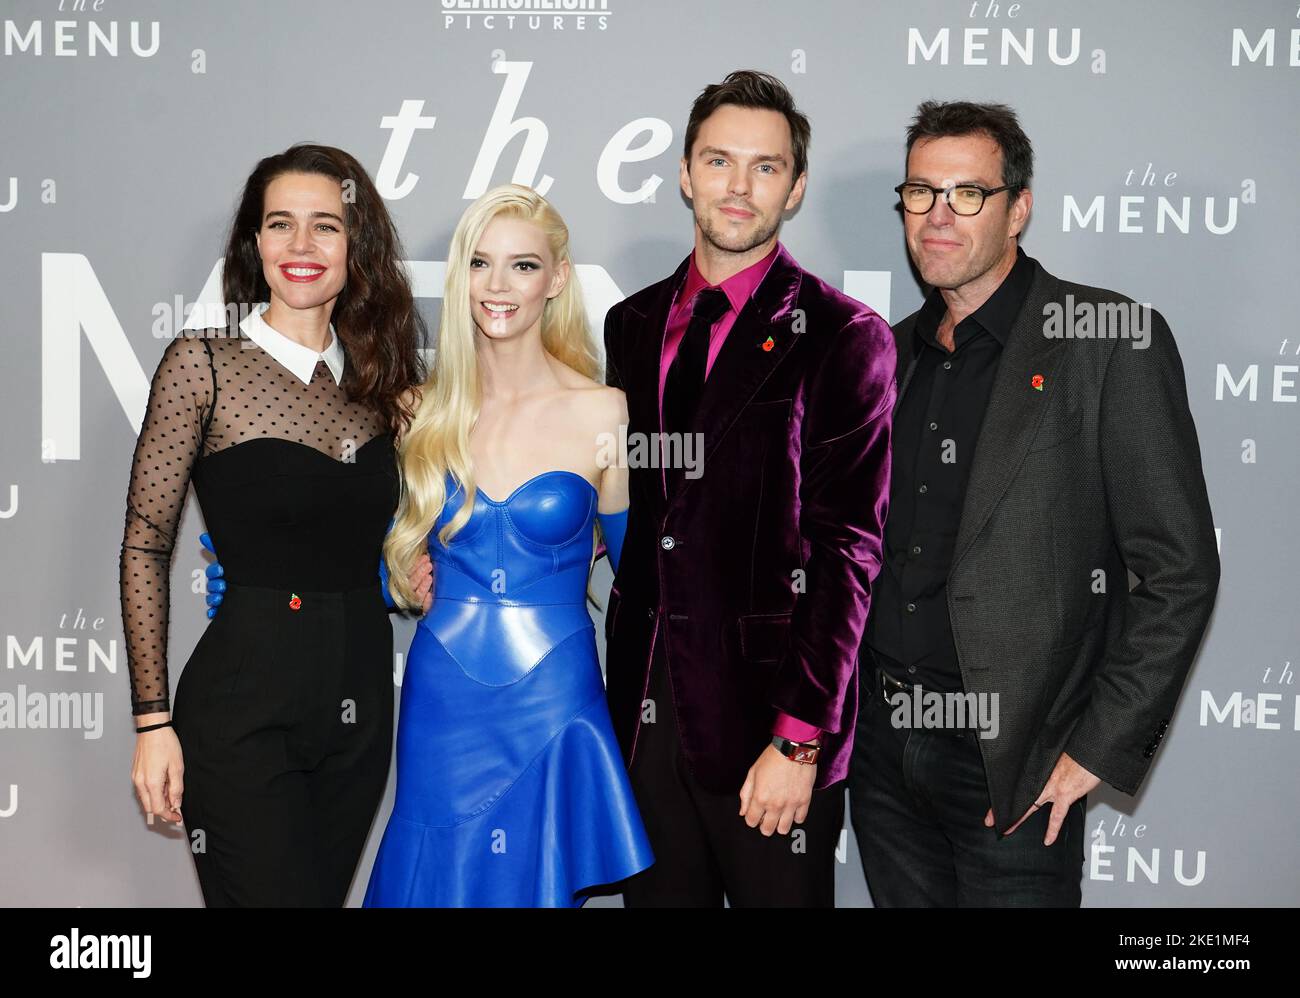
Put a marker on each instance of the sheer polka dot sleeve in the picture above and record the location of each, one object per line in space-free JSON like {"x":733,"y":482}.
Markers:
{"x":180,"y":401}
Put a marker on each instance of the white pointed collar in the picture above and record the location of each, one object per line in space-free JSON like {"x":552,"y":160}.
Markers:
{"x":300,"y":360}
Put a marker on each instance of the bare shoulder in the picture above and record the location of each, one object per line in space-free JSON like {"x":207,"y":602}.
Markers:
{"x":595,"y":400}
{"x":602,"y":407}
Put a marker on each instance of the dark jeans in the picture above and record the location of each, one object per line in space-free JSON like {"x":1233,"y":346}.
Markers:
{"x":917,"y":798}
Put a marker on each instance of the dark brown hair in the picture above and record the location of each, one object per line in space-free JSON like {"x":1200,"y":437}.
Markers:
{"x":750,"y":88}
{"x":942,"y":119}
{"x":375,"y":314}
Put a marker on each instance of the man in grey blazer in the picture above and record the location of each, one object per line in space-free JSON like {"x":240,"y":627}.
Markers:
{"x":1043,"y":450}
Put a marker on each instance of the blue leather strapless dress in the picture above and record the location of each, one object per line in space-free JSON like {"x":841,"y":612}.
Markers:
{"x":511,"y":789}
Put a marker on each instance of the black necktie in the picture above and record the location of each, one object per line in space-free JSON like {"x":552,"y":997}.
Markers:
{"x":685,"y":381}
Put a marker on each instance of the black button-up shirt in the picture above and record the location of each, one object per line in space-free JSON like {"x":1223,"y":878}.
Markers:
{"x":936,"y":426}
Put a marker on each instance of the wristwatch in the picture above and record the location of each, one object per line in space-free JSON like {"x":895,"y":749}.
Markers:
{"x":805,"y":752}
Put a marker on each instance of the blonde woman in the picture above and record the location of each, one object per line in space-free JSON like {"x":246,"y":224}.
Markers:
{"x":510,"y":785}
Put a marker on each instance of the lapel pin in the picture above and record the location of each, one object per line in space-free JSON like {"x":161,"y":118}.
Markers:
{"x":768,"y":343}
{"x":295,"y":603}
{"x":1037,"y":382}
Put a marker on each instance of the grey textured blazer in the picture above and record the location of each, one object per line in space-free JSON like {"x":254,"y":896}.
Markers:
{"x":1095,"y":472}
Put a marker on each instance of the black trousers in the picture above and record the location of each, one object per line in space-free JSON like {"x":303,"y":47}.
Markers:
{"x":285,"y":719}
{"x":704,"y":849}
{"x":918,"y":799}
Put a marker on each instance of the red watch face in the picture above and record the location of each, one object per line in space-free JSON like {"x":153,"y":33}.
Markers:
{"x":805,"y":753}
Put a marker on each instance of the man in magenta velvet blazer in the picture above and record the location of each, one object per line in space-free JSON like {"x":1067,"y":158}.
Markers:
{"x":744,"y":582}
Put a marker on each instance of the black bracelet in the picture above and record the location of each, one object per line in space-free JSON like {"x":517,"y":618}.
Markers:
{"x":151,"y":727}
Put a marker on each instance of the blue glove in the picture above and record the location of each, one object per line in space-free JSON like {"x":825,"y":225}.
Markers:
{"x":216,"y":584}
{"x":383,"y":585}
{"x":383,"y":573}
{"x":613,"y":527}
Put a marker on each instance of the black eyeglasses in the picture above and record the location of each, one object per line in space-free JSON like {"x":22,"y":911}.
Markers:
{"x":963,"y":199}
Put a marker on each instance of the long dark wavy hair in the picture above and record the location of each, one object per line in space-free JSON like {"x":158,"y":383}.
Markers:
{"x":375,"y":314}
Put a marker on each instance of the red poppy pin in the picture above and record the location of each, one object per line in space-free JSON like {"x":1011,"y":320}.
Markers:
{"x":295,"y":602}
{"x":768,"y":343}
{"x":1037,"y":382}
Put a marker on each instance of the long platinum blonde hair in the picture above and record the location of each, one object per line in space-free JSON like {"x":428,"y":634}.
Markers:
{"x":438,"y":439}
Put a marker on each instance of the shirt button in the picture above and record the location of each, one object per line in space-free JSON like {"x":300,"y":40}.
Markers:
{"x":911,"y":608}
{"x":923,"y":489}
{"x":934,"y":426}
{"x":667,"y":543}
{"x":916,"y":549}
{"x":947,"y":365}
{"x":911,"y":668}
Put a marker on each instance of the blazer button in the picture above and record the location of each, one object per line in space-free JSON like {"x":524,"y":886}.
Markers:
{"x":667,"y":542}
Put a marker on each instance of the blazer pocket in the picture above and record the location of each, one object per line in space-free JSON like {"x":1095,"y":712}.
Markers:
{"x":774,"y":410}
{"x":1074,"y":643}
{"x":764,"y":636}
{"x":1063,"y":432}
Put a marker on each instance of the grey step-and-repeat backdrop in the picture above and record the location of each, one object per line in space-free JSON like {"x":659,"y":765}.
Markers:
{"x":1166,"y":160}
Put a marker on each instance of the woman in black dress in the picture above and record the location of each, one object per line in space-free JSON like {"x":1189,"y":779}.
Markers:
{"x":286,"y":424}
